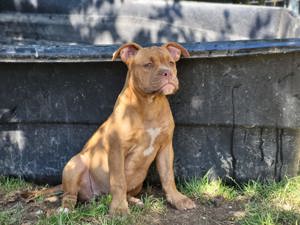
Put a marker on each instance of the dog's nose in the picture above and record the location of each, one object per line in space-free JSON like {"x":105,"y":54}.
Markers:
{"x":166,"y":73}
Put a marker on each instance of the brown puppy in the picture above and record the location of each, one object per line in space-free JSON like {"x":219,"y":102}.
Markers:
{"x":117,"y":157}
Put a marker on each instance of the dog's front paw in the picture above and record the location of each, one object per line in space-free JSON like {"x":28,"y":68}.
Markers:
{"x":119,"y":208}
{"x":183,"y":203}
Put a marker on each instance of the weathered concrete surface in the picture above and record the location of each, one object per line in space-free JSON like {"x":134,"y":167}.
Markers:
{"x":247,"y":91}
{"x":236,"y":116}
{"x":111,"y":22}
{"x":39,"y":151}
{"x":59,"y":93}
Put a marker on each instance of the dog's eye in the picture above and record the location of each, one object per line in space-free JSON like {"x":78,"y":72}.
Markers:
{"x":172,"y":63}
{"x":147,"y":65}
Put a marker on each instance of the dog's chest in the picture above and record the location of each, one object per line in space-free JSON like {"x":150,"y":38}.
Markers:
{"x":153,"y":133}
{"x":147,"y":142}
{"x":142,"y":153}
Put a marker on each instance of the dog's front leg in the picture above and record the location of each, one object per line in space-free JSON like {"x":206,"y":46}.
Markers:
{"x":164,"y":164}
{"x":117,"y":179}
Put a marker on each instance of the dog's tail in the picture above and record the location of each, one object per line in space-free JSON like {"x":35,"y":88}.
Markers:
{"x":44,"y":193}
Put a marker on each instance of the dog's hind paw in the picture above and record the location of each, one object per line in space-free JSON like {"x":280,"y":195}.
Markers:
{"x":135,"y":201}
{"x":63,"y":210}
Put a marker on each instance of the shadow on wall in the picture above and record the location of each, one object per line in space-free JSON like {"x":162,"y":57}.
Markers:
{"x":162,"y":24}
{"x":12,"y":142}
{"x":92,"y":28}
{"x":116,"y":21}
{"x":115,"y":28}
{"x":257,"y":29}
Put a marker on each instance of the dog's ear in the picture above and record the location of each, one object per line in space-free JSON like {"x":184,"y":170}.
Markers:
{"x":176,"y":50}
{"x":126,"y":51}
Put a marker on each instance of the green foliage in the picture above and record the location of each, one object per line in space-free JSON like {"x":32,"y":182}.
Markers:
{"x":8,"y":184}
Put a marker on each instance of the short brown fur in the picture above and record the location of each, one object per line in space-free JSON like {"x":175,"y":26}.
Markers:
{"x":140,"y":129}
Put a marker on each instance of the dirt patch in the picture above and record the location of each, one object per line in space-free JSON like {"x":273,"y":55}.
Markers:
{"x":225,"y":213}
{"x":208,"y":212}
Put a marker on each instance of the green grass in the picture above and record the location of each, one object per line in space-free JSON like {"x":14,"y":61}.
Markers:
{"x":96,"y":212}
{"x":208,"y":189}
{"x":271,"y":203}
{"x":8,"y":184}
{"x":12,"y":215}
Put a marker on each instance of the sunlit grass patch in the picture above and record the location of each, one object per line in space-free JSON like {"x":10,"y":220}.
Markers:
{"x":272,"y":202}
{"x":207,"y":188}
{"x":265,"y":214}
{"x":287,"y":197}
{"x":154,"y":204}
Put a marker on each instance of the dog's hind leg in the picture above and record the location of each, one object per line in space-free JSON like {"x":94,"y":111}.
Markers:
{"x":71,"y":181}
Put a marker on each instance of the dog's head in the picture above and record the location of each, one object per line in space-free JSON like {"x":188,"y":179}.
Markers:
{"x":152,"y":70}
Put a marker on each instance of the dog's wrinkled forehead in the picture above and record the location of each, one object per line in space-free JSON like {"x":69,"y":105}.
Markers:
{"x":152,"y":54}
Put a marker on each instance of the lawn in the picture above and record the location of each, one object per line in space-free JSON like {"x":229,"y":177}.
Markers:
{"x":217,"y":203}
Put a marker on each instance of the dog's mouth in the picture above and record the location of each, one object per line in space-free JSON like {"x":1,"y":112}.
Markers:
{"x":168,"y":88}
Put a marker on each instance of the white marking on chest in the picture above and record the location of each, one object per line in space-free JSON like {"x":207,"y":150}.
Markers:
{"x":153,"y":133}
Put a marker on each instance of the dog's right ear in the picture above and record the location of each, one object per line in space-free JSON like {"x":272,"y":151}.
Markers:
{"x":126,"y":51}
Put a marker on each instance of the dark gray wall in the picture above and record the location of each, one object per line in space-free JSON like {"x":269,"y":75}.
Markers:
{"x":235,"y":116}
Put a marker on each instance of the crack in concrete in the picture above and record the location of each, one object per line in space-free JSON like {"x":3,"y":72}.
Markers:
{"x":292,"y":74}
{"x":245,"y":136}
{"x":281,"y":152}
{"x":279,"y":155}
{"x":261,"y":143}
{"x":233,"y":127}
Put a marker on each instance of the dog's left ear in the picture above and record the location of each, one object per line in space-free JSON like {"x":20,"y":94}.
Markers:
{"x":176,"y":50}
{"x":126,"y":51}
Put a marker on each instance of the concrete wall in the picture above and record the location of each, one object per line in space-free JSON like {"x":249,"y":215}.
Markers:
{"x":237,"y":112}
{"x":235,"y":116}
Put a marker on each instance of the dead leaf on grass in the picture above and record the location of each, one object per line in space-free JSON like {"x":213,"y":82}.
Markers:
{"x":52,"y":199}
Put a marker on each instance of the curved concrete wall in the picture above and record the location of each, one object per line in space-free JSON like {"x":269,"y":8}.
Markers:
{"x":237,"y":112}
{"x":236,"y":116}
